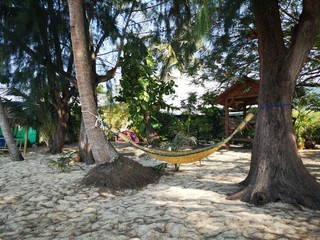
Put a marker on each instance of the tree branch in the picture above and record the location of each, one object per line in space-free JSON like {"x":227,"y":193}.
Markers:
{"x":111,"y":73}
{"x":46,"y":62}
{"x":294,"y":18}
{"x":303,"y":36}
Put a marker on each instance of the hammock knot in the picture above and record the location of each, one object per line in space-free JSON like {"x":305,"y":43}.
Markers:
{"x":99,"y":122}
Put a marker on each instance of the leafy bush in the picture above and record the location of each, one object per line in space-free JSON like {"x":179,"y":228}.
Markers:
{"x":306,"y":112}
{"x":115,"y":115}
{"x":311,"y":127}
{"x":170,"y":126}
{"x":141,"y":88}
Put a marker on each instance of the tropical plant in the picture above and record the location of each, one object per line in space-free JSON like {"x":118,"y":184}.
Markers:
{"x":170,"y":126}
{"x":306,"y":102}
{"x":201,"y":118}
{"x":311,"y":131}
{"x":63,"y":164}
{"x":142,"y":89}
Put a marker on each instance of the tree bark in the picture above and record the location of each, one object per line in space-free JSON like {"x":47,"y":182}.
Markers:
{"x":151,"y":134}
{"x":276,"y":170}
{"x":5,"y":127}
{"x":62,"y":112}
{"x":102,"y":150}
{"x":85,"y":150}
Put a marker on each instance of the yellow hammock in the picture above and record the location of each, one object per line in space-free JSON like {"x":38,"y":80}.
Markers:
{"x":179,"y":157}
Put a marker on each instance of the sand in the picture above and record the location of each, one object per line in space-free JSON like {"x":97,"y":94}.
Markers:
{"x":39,"y":202}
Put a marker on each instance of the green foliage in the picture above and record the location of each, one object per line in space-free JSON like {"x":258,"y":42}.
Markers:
{"x":170,"y":126}
{"x":35,"y":42}
{"x":63,"y":163}
{"x":200,"y":120}
{"x":204,"y":18}
{"x":306,"y":112}
{"x":207,"y":124}
{"x":181,"y":25}
{"x":141,"y":89}
{"x":311,"y":127}
{"x":199,"y":123}
{"x":115,"y":115}
{"x":182,"y":139}
{"x":160,"y":167}
{"x":231,"y":49}
{"x":307,"y":125}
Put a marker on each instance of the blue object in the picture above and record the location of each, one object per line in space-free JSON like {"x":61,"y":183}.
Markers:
{"x":2,"y":141}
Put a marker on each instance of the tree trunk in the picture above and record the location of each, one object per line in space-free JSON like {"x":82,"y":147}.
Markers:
{"x":85,"y":150}
{"x":151,"y":134}
{"x":5,"y":127}
{"x":62,"y":110}
{"x":102,"y":150}
{"x":26,"y":138}
{"x":276,"y":170}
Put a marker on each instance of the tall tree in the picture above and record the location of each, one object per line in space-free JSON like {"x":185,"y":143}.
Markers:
{"x":103,"y":151}
{"x":45,"y":38}
{"x":276,"y":170}
{"x":5,"y":127}
{"x":38,"y":56}
{"x":110,"y":170}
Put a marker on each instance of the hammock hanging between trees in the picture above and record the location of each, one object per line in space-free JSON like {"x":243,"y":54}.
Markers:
{"x":177,"y":157}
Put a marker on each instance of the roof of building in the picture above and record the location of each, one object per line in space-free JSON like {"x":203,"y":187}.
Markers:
{"x":242,"y":93}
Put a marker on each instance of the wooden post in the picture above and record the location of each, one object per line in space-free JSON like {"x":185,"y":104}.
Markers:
{"x":226,"y":121}
{"x":25,"y":140}
{"x":244,"y":132}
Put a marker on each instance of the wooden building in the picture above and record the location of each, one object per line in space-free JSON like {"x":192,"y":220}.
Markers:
{"x":239,"y":97}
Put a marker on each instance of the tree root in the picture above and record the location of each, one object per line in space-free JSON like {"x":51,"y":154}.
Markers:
{"x":260,"y":198}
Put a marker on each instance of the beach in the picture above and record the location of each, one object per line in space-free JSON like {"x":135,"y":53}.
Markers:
{"x":39,"y":202}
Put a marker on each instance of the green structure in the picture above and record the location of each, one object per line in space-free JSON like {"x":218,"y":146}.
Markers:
{"x":19,"y":133}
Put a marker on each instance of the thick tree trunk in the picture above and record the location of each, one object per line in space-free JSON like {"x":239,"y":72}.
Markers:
{"x":102,"y":150}
{"x":5,"y":127}
{"x":276,"y":171}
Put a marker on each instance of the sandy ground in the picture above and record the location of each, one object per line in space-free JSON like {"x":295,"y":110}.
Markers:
{"x":38,"y":202}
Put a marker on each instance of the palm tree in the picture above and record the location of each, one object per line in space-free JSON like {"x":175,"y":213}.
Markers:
{"x":113,"y":170}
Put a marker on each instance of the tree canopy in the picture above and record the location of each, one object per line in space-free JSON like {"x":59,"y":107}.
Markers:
{"x":231,"y":47}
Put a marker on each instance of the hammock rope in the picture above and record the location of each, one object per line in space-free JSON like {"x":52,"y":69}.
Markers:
{"x":175,"y":157}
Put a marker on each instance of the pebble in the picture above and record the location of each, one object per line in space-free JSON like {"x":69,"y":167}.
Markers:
{"x":38,"y":202}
